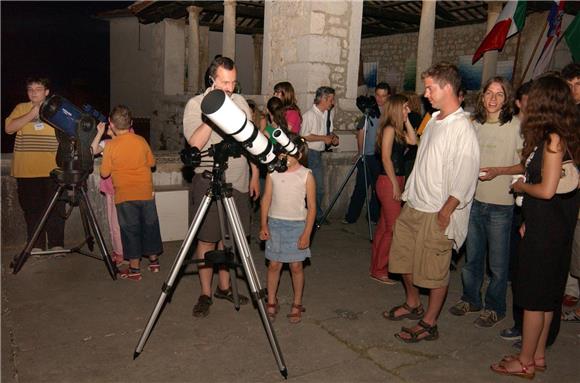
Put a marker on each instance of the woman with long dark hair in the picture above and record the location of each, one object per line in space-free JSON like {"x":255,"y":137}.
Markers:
{"x":285,"y":92}
{"x":550,"y":137}
{"x":394,"y":134}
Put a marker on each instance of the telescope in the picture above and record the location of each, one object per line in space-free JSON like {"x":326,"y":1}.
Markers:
{"x":75,"y":130}
{"x":222,"y":111}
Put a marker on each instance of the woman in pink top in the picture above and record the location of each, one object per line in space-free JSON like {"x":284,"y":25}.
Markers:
{"x":285,"y":92}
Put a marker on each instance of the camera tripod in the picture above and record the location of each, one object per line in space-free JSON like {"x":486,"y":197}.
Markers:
{"x":74,"y":184}
{"x":362,"y":160}
{"x":222,"y":194}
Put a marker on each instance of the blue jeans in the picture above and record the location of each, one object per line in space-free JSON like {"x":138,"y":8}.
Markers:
{"x":315,"y":164}
{"x":140,"y":233}
{"x":358,"y":195}
{"x":488,"y":234}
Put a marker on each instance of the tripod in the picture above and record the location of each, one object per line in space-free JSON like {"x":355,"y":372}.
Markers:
{"x":361,"y":159}
{"x":222,"y":193}
{"x":74,"y":184}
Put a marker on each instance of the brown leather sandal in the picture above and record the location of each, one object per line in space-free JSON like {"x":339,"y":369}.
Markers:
{"x":523,"y":372}
{"x":296,"y":317}
{"x":272,"y":310}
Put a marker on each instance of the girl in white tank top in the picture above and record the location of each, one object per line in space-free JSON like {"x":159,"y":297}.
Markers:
{"x":288,"y":211}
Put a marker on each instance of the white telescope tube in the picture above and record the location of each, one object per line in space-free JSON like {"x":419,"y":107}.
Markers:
{"x":222,"y":111}
{"x":284,"y":141}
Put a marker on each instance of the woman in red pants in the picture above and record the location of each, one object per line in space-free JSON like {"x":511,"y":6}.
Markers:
{"x":394,"y":137}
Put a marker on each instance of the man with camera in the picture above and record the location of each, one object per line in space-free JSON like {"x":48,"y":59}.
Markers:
{"x":372,"y":107}
{"x":34,"y":158}
{"x":201,"y":133}
{"x":317,"y":129}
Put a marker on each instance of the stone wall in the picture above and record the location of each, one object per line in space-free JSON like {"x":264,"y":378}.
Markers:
{"x":392,"y":52}
{"x":312,"y":44}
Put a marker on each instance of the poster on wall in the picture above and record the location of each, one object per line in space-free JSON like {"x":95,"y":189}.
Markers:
{"x":370,"y":73}
{"x":471,"y":74}
{"x":410,"y":74}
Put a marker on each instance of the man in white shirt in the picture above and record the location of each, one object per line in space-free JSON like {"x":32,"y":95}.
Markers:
{"x":439,"y":194}
{"x":317,"y":130}
{"x":201,"y":133}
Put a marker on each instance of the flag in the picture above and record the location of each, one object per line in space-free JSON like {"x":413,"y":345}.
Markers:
{"x":509,"y":22}
{"x":552,"y":36}
{"x":572,"y":36}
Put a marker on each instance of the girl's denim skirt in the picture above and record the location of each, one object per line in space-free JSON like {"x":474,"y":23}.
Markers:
{"x":283,"y":243}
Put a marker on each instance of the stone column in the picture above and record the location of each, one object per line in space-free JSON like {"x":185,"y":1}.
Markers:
{"x":425,"y":44}
{"x":193,"y":49}
{"x":490,"y":57}
{"x":229,"y":31}
{"x":258,"y":43}
{"x":204,"y":58}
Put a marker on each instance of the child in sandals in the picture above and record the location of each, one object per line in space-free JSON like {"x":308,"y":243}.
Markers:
{"x":288,"y":211}
{"x":128,"y":159}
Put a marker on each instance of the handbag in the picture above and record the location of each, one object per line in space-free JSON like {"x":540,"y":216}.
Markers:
{"x":569,"y":178}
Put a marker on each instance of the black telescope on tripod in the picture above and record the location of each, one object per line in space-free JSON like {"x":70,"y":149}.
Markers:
{"x":75,"y":130}
{"x":241,"y":135}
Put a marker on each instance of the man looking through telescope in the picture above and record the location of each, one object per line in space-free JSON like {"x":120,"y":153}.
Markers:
{"x":202,"y":133}
{"x":34,"y":158}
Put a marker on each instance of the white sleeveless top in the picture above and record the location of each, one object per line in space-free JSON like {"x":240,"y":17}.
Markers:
{"x":289,"y":194}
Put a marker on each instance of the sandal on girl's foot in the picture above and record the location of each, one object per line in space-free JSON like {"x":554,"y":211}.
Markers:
{"x":272,"y":310}
{"x":415,"y":334}
{"x":412,"y":312}
{"x":539,"y":363}
{"x":296,"y":316}
{"x":154,"y":265}
{"x":130,"y":274}
{"x":523,"y":372}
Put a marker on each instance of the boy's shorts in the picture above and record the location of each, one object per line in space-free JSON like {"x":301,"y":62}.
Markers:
{"x":140,"y":233}
{"x":210,"y":230}
{"x":420,"y":248}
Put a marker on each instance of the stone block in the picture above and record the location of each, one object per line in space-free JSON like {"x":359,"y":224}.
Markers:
{"x":339,"y":32}
{"x":325,"y":49}
{"x":317,"y":75}
{"x":317,"y":23}
{"x":336,"y":8}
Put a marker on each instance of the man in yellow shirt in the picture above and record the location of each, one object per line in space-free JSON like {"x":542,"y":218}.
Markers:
{"x":34,"y":158}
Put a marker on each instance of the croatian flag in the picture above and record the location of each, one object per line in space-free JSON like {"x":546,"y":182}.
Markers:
{"x":552,"y":37}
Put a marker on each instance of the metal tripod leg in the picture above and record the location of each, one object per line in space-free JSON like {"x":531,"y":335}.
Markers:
{"x":19,"y":260}
{"x":361,"y":158}
{"x":367,"y":199}
{"x":253,"y":280}
{"x":335,"y":198}
{"x":92,"y":222}
{"x":89,"y":239}
{"x":227,"y":243}
{"x":167,"y":287}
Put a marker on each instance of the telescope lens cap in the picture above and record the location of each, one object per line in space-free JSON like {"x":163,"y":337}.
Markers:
{"x":213,"y":101}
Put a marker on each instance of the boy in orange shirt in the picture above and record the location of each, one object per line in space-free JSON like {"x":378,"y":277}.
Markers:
{"x":128,"y":159}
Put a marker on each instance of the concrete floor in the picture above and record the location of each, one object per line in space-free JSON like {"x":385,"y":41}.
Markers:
{"x":65,"y":320}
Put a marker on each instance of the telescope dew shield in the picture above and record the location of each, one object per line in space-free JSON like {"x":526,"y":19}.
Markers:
{"x":222,"y":111}
{"x":61,"y":114}
{"x":284,"y":141}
